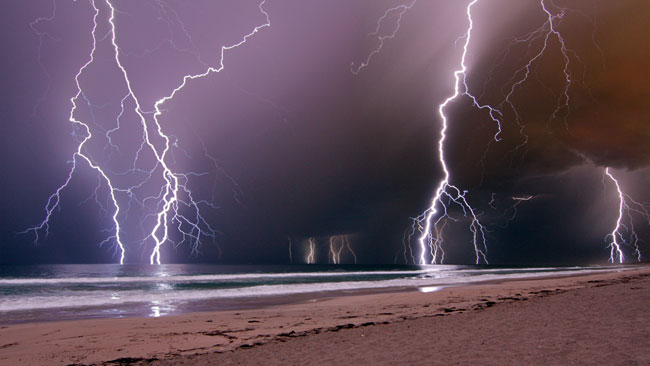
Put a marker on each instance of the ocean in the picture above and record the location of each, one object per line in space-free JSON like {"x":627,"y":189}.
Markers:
{"x":59,"y":292}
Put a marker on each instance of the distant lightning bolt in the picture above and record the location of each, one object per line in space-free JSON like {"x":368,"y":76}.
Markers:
{"x":310,"y":258}
{"x":334,"y":254}
{"x":192,"y":226}
{"x":398,"y":11}
{"x":407,"y":247}
{"x":625,"y":234}
{"x":336,"y":245}
{"x":346,"y":239}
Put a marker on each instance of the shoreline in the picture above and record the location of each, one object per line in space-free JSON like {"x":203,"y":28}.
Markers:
{"x":97,"y":341}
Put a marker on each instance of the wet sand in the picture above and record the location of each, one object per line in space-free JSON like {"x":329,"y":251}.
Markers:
{"x":599,"y":318}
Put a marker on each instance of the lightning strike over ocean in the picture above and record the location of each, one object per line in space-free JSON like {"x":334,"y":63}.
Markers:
{"x":168,"y":202}
{"x":337,"y":243}
{"x":170,"y":197}
{"x":624,"y":232}
{"x":424,"y":223}
{"x":54,"y":199}
{"x":428,"y":222}
{"x":310,"y":256}
{"x":429,"y":240}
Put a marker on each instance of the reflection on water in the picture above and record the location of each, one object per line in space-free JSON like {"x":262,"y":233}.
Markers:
{"x":427,"y":289}
{"x":159,"y":307}
{"x":155,"y":309}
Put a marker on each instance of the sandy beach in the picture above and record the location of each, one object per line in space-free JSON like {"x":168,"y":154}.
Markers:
{"x":589,"y":319}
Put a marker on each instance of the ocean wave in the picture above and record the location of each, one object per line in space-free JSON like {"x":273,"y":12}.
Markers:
{"x":262,"y":276}
{"x":114,"y":298}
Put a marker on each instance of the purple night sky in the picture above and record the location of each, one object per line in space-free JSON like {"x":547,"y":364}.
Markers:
{"x":286,"y":143}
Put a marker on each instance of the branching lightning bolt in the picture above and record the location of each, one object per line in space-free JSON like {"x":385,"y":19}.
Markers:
{"x":430,"y":224}
{"x":169,"y":201}
{"x":54,"y":200}
{"x":398,"y":11}
{"x":175,"y":181}
{"x":427,"y":223}
{"x":624,"y":232}
{"x":546,"y":31}
{"x":430,"y":230}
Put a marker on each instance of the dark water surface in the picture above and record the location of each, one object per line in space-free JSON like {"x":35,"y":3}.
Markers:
{"x":57,"y":292}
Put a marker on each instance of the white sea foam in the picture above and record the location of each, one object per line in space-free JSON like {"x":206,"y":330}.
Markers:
{"x":78,"y":299}
{"x":262,"y":276}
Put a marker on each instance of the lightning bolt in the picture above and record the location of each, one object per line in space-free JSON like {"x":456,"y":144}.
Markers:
{"x":622,"y":234}
{"x":174,"y":194}
{"x":431,"y":230}
{"x":171,"y":191}
{"x":430,"y":234}
{"x":311,"y":254}
{"x":334,"y":254}
{"x":430,"y":223}
{"x":398,"y":11}
{"x":546,"y":32}
{"x":346,"y":239}
{"x":625,"y":233}
{"x":335,"y":250}
{"x":55,"y":199}
{"x":407,"y":245}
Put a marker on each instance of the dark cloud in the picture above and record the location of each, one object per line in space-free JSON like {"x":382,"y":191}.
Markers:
{"x":607,"y":120}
